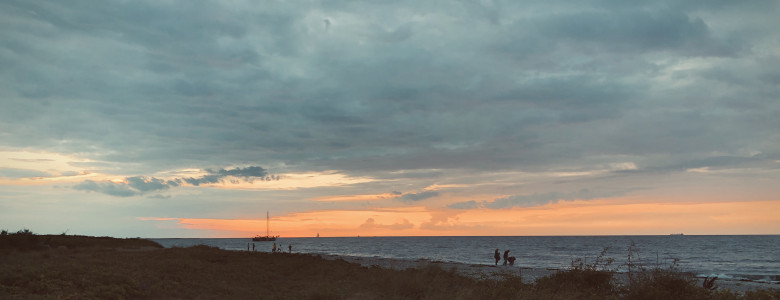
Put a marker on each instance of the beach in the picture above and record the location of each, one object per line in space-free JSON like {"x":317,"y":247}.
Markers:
{"x":737,"y":262}
{"x":727,"y":257}
{"x":528,"y":275}
{"x":75,"y":267}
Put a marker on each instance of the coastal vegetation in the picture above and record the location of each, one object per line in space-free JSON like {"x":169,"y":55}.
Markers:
{"x":79,"y":267}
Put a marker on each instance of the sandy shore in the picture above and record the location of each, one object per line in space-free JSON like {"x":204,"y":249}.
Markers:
{"x":528,"y":274}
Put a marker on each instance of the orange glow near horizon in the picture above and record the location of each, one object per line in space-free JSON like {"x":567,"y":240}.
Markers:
{"x":595,"y":217}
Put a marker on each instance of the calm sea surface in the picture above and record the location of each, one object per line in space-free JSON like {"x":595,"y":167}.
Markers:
{"x":738,"y":257}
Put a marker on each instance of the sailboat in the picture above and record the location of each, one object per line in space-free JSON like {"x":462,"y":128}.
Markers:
{"x":267,"y":237}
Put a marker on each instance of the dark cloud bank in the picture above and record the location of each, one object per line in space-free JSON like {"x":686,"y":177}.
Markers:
{"x":369,"y":89}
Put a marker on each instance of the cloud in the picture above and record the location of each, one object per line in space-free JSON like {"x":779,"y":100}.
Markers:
{"x":539,"y":199}
{"x":448,"y":221}
{"x":418,"y":196}
{"x":726,"y":162}
{"x":146,"y":184}
{"x":32,"y":159}
{"x":108,"y":188}
{"x":248,"y":174}
{"x":536,"y":199}
{"x":370,"y":223}
{"x":451,"y":226}
{"x":638,"y":30}
{"x":527,"y":200}
{"x":381,"y":91}
{"x":21,"y":173}
{"x":373,"y":91}
{"x":138,"y":185}
{"x":471,"y":204}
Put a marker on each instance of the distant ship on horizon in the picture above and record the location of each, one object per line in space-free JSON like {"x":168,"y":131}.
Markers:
{"x":676,"y":234}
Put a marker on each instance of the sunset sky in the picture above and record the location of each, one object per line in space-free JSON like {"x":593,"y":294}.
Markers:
{"x":389,"y":118}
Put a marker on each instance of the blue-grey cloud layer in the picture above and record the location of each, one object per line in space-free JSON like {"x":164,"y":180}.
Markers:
{"x":367,"y":88}
{"x":139,"y":185}
{"x":536,"y":199}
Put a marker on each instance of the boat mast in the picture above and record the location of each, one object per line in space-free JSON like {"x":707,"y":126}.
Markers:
{"x":267,"y":223}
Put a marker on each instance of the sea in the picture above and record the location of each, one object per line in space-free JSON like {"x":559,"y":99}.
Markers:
{"x":737,"y":257}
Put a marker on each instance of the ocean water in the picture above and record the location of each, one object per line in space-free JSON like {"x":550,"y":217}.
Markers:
{"x":748,"y":257}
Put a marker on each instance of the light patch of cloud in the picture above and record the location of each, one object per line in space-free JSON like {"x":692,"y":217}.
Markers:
{"x":624,"y":166}
{"x":307,"y":180}
{"x":372,"y":224}
{"x":452,"y":226}
{"x":448,"y":220}
{"x":27,"y":164}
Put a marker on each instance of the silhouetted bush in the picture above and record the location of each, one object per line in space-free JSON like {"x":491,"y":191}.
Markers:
{"x":80,"y":241}
{"x":658,"y":283}
{"x":593,"y":280}
{"x":21,"y":240}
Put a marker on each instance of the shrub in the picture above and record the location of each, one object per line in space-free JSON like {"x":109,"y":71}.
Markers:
{"x":583,"y":280}
{"x":658,"y":283}
{"x":21,"y":240}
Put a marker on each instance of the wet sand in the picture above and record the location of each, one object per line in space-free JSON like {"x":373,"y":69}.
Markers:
{"x":528,"y":275}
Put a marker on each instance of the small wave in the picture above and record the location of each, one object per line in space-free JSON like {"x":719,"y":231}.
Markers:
{"x":745,"y":277}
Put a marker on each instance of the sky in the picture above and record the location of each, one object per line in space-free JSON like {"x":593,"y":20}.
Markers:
{"x":389,"y":118}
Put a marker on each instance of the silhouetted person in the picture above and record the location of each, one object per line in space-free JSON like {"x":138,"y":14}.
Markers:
{"x":497,"y":256}
{"x":274,"y":251}
{"x":289,"y":247}
{"x":253,"y":247}
{"x":511,"y":260}
{"x":506,"y":257}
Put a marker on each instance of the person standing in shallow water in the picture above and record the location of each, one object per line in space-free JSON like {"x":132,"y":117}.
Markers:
{"x":497,"y":256}
{"x":506,"y":257}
